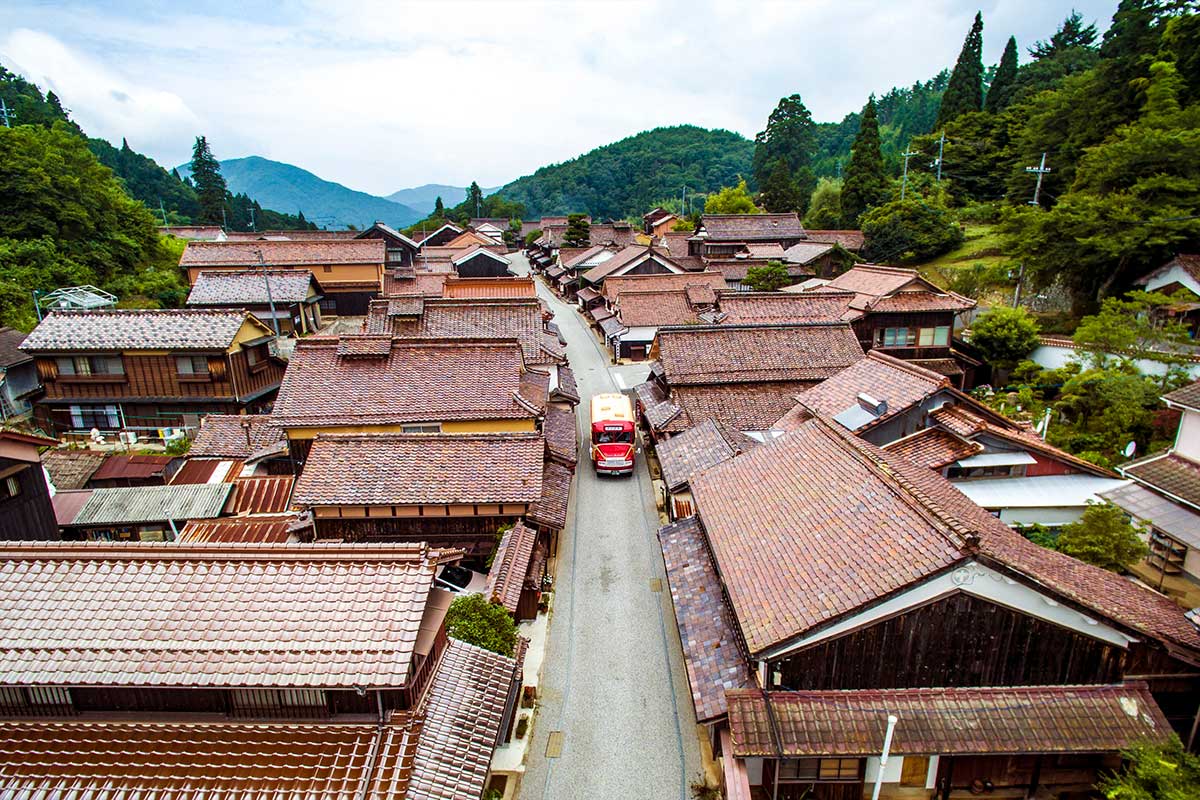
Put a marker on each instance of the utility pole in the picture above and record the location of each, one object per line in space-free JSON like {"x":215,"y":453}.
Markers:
{"x":267,"y":282}
{"x":252,"y":228}
{"x":839,"y":169}
{"x":1041,"y":170}
{"x":904,"y":178}
{"x":163,"y":211}
{"x":938,"y":163}
{"x":224,"y":222}
{"x":6,"y":114}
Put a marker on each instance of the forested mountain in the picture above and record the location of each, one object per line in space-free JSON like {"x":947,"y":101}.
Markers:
{"x":145,"y":180}
{"x":424,"y":198}
{"x":633,"y":175}
{"x":325,"y":203}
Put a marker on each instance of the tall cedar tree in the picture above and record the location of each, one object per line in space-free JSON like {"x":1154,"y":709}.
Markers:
{"x":866,"y":184}
{"x":965,"y":91}
{"x":779,"y":192}
{"x":1072,"y":33}
{"x":210,"y":184}
{"x":1004,"y":83}
{"x":439,"y":209}
{"x":790,"y":135}
{"x":474,"y":200}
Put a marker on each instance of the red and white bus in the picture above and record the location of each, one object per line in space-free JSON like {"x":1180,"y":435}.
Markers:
{"x":612,"y":434}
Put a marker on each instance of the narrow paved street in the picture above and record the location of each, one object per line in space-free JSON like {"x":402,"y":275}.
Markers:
{"x":613,"y":682}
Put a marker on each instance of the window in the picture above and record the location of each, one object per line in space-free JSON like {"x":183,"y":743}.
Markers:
{"x":192,"y":365}
{"x":105,"y":418}
{"x":435,"y":427}
{"x":327,"y":268}
{"x":394,"y":255}
{"x":90,"y":365}
{"x":826,"y":770}
{"x":278,"y":702}
{"x":10,"y":487}
{"x":934,"y":337}
{"x":256,"y":354}
{"x":328,"y":305}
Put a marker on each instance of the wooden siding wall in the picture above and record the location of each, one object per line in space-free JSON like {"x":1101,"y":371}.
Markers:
{"x":157,"y":376}
{"x":865,"y":329}
{"x":957,"y":641}
{"x":481,"y":266}
{"x":29,"y":515}
{"x":352,"y":303}
{"x":477,"y":535}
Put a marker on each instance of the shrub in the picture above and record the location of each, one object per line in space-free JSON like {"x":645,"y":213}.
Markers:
{"x":909,"y":230}
{"x":1005,"y":335}
{"x":474,"y":620}
{"x":1103,"y":536}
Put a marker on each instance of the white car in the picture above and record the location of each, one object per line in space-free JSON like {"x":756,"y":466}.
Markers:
{"x":461,"y":580}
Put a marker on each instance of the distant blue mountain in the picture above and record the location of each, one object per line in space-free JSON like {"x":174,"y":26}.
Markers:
{"x":284,"y":187}
{"x":424,"y":198}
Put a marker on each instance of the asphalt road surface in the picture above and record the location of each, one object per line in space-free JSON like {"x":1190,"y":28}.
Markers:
{"x":613,"y":683}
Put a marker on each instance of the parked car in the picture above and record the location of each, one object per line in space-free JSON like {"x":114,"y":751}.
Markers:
{"x":461,"y":580}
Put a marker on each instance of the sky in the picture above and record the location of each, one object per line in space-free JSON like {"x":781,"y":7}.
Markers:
{"x":381,"y":95}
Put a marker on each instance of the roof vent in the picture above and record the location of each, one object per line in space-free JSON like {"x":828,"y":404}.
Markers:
{"x":876,"y":407}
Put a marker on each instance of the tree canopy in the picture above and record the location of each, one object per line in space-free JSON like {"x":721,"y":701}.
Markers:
{"x":1005,"y":335}
{"x":866,"y":184}
{"x":1103,"y":536}
{"x":767,"y":278}
{"x":790,"y":138}
{"x":210,"y":185}
{"x":1004,"y":82}
{"x":964,"y":93}
{"x":732,"y":200}
{"x":476,"y":621}
{"x":909,"y":230}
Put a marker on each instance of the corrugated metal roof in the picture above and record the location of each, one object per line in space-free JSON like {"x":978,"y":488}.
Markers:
{"x":153,"y":504}
{"x":230,"y":530}
{"x":262,"y":495}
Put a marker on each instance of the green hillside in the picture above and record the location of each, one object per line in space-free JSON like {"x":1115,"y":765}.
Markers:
{"x":633,"y":175}
{"x":423,"y":198}
{"x":292,"y":189}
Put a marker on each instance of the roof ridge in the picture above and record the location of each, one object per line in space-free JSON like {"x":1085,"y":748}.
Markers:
{"x":908,"y":366}
{"x":965,"y":538}
{"x":753,"y":326}
{"x":425,"y":437}
{"x":223,"y":551}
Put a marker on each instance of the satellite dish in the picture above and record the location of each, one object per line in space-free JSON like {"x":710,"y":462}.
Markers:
{"x":1130,"y":449}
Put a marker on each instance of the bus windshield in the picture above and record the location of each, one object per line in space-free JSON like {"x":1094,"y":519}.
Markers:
{"x":612,"y":437}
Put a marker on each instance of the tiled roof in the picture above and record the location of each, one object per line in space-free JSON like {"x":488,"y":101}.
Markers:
{"x":510,"y":564}
{"x":137,"y":329}
{"x":614,"y":286}
{"x":921,"y":301}
{"x":953,"y":721}
{"x":134,"y":467}
{"x":862,"y":524}
{"x":739,"y":406}
{"x":10,"y":344}
{"x":1168,"y":473}
{"x":562,"y":434}
{"x":129,"y":505}
{"x":874,"y":280}
{"x":478,"y":318}
{"x":567,"y":389}
{"x":463,"y":713}
{"x":735,"y":270}
{"x":550,"y":511}
{"x":627,"y":258}
{"x":475,"y":288}
{"x":283,"y":254}
{"x":752,"y":227}
{"x":851,"y":240}
{"x":572,"y":257}
{"x":651,"y":309}
{"x":615,"y":235}
{"x":705,"y":444}
{"x":1188,"y":396}
{"x":933,"y":448}
{"x":742,"y":353}
{"x":296,"y":235}
{"x":894,"y":289}
{"x":249,"y":287}
{"x":416,"y":469}
{"x":805,"y":252}
{"x":418,"y":381}
{"x":711,"y":653}
{"x":423,"y":283}
{"x":237,"y":530}
{"x":658,"y":410}
{"x":71,"y":469}
{"x":226,"y":436}
{"x":212,"y":615}
{"x":882,"y":377}
{"x":783,"y":308}
{"x":172,"y":760}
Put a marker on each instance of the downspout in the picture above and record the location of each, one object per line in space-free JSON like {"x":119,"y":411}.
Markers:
{"x":775,"y":740}
{"x":376,"y":746}
{"x":883,"y":757}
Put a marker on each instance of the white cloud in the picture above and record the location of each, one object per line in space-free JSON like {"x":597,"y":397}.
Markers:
{"x":380,"y":94}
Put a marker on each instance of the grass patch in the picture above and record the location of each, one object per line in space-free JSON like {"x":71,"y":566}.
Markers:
{"x":981,"y":245}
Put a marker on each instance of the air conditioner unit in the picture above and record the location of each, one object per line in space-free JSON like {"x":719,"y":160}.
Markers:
{"x":127,"y":437}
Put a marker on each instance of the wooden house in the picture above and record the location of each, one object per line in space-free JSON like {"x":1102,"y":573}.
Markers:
{"x":491,"y":227}
{"x":477,"y":261}
{"x":1165,"y":496}
{"x":400,"y":250}
{"x":824,"y":584}
{"x":450,"y":490}
{"x":292,"y":297}
{"x":1179,"y":276}
{"x":632,"y":260}
{"x":221,"y":661}
{"x":18,"y":376}
{"x":724,"y":235}
{"x":744,"y":376}
{"x":388,"y":384}
{"x":901,"y":313}
{"x":350,"y":271}
{"x":439,"y":237}
{"x":26,"y":511}
{"x":658,"y":222}
{"x":144,"y":371}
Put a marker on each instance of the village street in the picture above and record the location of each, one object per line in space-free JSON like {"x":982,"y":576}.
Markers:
{"x":613,"y":683}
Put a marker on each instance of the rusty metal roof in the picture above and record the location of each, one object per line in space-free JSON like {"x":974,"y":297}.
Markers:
{"x":964,"y":721}
{"x":238,"y":530}
{"x":134,"y":614}
{"x":262,"y":495}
